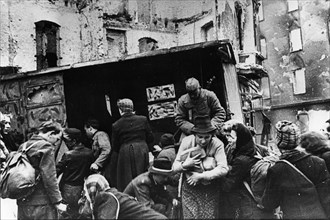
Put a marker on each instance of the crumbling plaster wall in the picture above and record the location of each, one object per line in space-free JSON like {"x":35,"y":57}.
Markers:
{"x":312,"y":17}
{"x":192,"y":32}
{"x":316,"y":48}
{"x":226,"y":20}
{"x":83,"y":26}
{"x":165,"y":40}
{"x":248,"y":26}
{"x":22,"y":15}
{"x":5,"y":34}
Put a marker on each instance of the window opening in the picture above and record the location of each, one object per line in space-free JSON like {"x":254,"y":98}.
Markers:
{"x":47,"y":39}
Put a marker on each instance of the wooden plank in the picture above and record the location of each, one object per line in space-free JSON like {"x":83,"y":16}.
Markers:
{"x":232,"y":88}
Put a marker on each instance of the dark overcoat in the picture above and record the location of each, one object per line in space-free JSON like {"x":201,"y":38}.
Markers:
{"x":296,"y":196}
{"x":132,"y":139}
{"x":111,"y":204}
{"x":239,"y":200}
{"x":75,"y":165}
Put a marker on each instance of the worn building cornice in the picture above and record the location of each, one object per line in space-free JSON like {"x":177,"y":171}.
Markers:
{"x":224,"y":46}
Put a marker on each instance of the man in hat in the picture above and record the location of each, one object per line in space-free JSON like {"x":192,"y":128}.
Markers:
{"x":149,"y":187}
{"x":198,"y":101}
{"x":74,"y":165}
{"x":132,"y":138}
{"x":298,"y":182}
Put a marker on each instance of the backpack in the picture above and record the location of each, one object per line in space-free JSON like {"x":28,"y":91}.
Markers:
{"x":258,"y":175}
{"x":19,"y":177}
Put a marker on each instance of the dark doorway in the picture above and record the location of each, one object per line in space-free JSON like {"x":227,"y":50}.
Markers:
{"x":85,"y":88}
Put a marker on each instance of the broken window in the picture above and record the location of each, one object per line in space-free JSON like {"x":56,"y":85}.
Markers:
{"x":299,"y":83}
{"x":47,"y":40}
{"x":292,"y":5}
{"x":116,"y":42}
{"x":147,"y":44}
{"x":295,"y":40}
{"x":261,"y":11}
{"x":208,"y":31}
{"x":263,"y":47}
{"x":240,"y":21}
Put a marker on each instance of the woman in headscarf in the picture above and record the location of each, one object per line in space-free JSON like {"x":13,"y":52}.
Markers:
{"x":298,"y":182}
{"x":131,"y":139}
{"x":240,"y":204}
{"x":99,"y":201}
{"x":202,"y":160}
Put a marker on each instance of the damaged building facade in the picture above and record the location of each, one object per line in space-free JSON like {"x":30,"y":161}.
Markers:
{"x":72,"y":59}
{"x":295,"y":42}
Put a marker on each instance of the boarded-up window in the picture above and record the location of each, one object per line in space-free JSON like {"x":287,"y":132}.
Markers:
{"x":295,"y":40}
{"x":263,"y":47}
{"x":48,"y":47}
{"x":116,"y":42}
{"x":147,"y":44}
{"x":299,"y":83}
{"x":208,"y":32}
{"x":292,"y":5}
{"x":261,"y":11}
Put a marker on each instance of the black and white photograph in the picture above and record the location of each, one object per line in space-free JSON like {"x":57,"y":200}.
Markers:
{"x":164,"y":109}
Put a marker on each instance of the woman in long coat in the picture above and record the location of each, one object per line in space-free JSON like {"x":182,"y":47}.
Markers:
{"x":240,"y":204}
{"x":131,"y":135}
{"x":202,"y":160}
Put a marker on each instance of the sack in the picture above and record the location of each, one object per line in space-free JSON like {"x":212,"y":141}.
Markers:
{"x":258,"y":175}
{"x":19,"y":177}
{"x":208,"y":163}
{"x":193,"y":152}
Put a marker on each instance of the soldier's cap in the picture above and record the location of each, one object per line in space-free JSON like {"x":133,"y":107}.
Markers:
{"x":72,"y":133}
{"x":192,"y":84}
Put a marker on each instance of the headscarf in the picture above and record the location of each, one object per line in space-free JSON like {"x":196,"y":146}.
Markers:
{"x":243,"y":134}
{"x":244,"y":142}
{"x":287,"y":135}
{"x":94,"y":184}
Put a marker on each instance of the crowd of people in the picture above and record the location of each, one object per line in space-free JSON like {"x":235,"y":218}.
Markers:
{"x":207,"y":174}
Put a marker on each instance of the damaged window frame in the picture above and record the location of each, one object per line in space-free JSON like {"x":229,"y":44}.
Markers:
{"x":208,"y":31}
{"x":47,"y":44}
{"x":293,"y":5}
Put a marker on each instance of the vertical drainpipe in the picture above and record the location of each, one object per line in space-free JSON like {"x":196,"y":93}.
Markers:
{"x":216,"y":19}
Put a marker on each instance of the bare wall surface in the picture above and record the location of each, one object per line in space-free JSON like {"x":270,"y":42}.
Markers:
{"x":281,"y":63}
{"x":83,"y":26}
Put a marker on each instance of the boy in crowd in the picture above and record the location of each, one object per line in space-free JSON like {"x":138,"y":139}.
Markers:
{"x":74,"y":165}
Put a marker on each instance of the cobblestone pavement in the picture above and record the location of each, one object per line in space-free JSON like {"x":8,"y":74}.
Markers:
{"x":8,"y":209}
